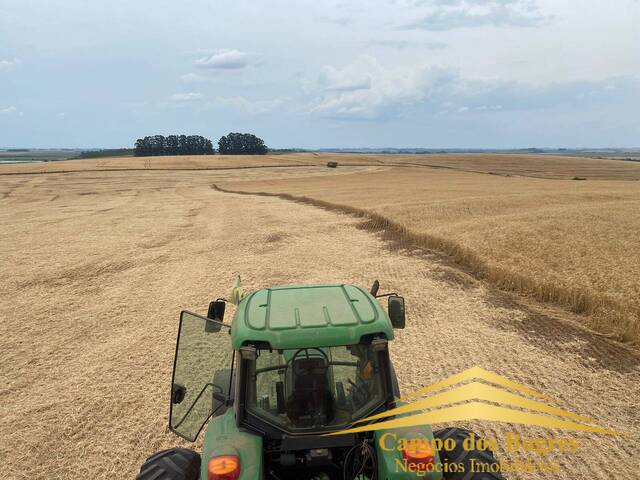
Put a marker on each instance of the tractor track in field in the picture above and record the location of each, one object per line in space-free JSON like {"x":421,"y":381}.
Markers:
{"x":87,"y":362}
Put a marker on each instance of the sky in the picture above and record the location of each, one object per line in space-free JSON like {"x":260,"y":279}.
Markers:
{"x":315,"y":73}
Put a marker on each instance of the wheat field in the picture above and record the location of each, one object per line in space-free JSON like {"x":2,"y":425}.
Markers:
{"x":522,"y":222}
{"x":572,"y":243}
{"x":97,"y":266}
{"x":529,"y":165}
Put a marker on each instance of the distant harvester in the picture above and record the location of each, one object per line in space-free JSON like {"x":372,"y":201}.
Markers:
{"x":332,"y":164}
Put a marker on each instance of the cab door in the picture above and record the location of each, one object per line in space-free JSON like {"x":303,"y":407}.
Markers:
{"x":202,"y":372}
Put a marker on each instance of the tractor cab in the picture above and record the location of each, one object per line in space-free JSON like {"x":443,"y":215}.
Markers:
{"x":296,"y":360}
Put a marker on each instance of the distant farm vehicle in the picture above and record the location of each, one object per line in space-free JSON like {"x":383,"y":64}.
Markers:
{"x":332,"y":164}
{"x":298,"y":363}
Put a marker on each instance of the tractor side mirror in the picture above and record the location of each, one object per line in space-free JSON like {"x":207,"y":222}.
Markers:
{"x":395,"y":307}
{"x":216,"y":312}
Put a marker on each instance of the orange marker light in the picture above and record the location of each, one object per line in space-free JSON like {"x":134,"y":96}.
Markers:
{"x":224,"y":467}
{"x":418,"y":455}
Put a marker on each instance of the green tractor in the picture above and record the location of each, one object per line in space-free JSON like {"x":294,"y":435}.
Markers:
{"x":296,"y":367}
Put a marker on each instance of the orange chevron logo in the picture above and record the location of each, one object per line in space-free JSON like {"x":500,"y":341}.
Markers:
{"x":476,"y":401}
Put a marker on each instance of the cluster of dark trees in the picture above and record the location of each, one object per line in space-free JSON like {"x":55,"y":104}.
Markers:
{"x":231,"y":144}
{"x":241,"y":144}
{"x":173,"y":145}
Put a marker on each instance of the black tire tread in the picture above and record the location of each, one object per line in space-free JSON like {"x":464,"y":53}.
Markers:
{"x":172,"y":464}
{"x":460,"y":455}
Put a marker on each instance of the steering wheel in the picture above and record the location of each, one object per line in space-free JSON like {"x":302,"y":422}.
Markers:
{"x":296,"y":371}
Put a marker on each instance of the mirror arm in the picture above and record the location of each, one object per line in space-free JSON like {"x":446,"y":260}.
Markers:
{"x":207,"y":319}
{"x":387,"y":295}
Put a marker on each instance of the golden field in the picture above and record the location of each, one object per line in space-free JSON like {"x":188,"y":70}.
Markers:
{"x":520,"y":221}
{"x":96,"y":266}
{"x":540,"y":166}
{"x":573,"y":243}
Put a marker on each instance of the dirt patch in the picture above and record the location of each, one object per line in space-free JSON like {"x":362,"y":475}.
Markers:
{"x":81,"y":273}
{"x":275,"y":237}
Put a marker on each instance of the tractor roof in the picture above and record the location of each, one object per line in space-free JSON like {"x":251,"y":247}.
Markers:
{"x":308,"y":316}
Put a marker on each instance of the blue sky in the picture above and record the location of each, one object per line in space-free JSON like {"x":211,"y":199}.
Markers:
{"x":301,"y":73}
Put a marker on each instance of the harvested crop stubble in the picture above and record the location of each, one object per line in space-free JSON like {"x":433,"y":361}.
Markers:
{"x":507,"y":164}
{"x":98,"y":265}
{"x":570,"y":243}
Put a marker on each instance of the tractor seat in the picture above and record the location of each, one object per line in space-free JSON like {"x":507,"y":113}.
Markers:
{"x":311,"y":401}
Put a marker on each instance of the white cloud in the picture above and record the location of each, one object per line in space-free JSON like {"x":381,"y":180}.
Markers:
{"x":8,"y":110}
{"x":401,"y":91}
{"x":464,"y":108}
{"x":254,"y":107}
{"x":367,"y":90}
{"x":489,"y":107}
{"x":186,"y":97}
{"x":452,"y":14}
{"x":224,"y":60}
{"x":192,"y":78}
{"x":9,"y":64}
{"x":346,"y":80}
{"x":404,"y":44}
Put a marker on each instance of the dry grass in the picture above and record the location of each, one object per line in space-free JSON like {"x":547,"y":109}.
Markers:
{"x":185,"y":162}
{"x":537,"y":166}
{"x":97,"y":265}
{"x":568,"y":242}
{"x":540,"y":166}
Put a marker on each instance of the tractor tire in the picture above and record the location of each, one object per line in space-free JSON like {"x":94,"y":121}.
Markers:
{"x":468,"y":458}
{"x":172,"y":464}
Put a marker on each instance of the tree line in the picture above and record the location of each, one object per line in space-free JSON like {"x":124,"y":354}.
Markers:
{"x":172,"y":145}
{"x":241,"y":144}
{"x":231,"y":144}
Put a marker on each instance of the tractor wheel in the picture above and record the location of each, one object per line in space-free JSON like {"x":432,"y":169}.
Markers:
{"x":476,"y":464}
{"x":172,"y":464}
